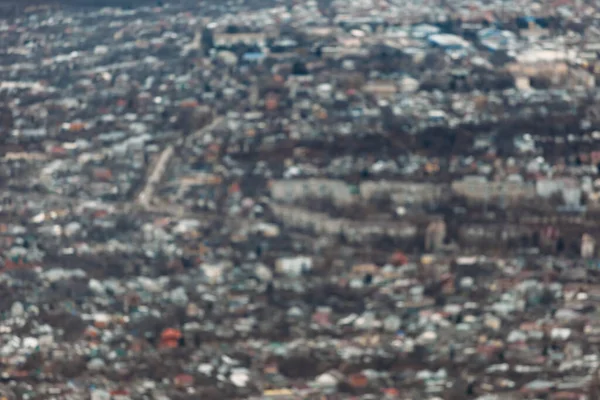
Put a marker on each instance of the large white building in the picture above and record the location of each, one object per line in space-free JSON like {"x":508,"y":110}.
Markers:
{"x":290,"y":190}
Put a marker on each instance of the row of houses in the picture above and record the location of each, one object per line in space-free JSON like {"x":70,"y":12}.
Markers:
{"x":477,"y":189}
{"x":354,"y":231}
{"x":342,"y":193}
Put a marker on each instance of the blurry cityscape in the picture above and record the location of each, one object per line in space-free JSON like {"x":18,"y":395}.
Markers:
{"x":320,"y":199}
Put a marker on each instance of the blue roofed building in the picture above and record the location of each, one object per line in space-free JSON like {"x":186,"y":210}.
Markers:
{"x":495,"y":39}
{"x":254,"y":56}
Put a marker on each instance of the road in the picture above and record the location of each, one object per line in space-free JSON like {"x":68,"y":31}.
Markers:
{"x":183,"y":186}
{"x":215,"y":122}
{"x":146,"y":196}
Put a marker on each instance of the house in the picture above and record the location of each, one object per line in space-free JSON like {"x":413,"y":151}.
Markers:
{"x":381,"y":88}
{"x":249,"y":38}
{"x":588,"y":246}
{"x":448,"y":42}
{"x":354,"y":231}
{"x":480,"y":189}
{"x":293,"y":266}
{"x":277,"y":394}
{"x":403,"y":192}
{"x":291,"y":190}
{"x":494,"y":39}
{"x":435,"y":235}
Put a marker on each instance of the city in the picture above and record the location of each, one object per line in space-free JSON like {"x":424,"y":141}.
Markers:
{"x":369,"y":199}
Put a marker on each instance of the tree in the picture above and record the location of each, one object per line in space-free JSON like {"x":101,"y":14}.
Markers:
{"x":298,"y":367}
{"x":232,"y":29}
{"x":595,"y":386}
{"x":210,"y":393}
{"x":499,"y":58}
{"x":541,"y":82}
{"x":299,"y":68}
{"x":434,"y":83}
{"x":6,"y":120}
{"x":207,"y":40}
{"x":353,"y":81}
{"x":71,"y":368}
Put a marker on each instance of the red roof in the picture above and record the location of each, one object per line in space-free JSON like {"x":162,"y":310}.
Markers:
{"x":103,"y":174}
{"x":58,"y":150}
{"x":399,"y":258}
{"x":171,"y":334}
{"x":184,"y":380}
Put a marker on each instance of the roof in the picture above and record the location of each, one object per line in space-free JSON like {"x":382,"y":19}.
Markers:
{"x":448,"y":40}
{"x":253,"y":56}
